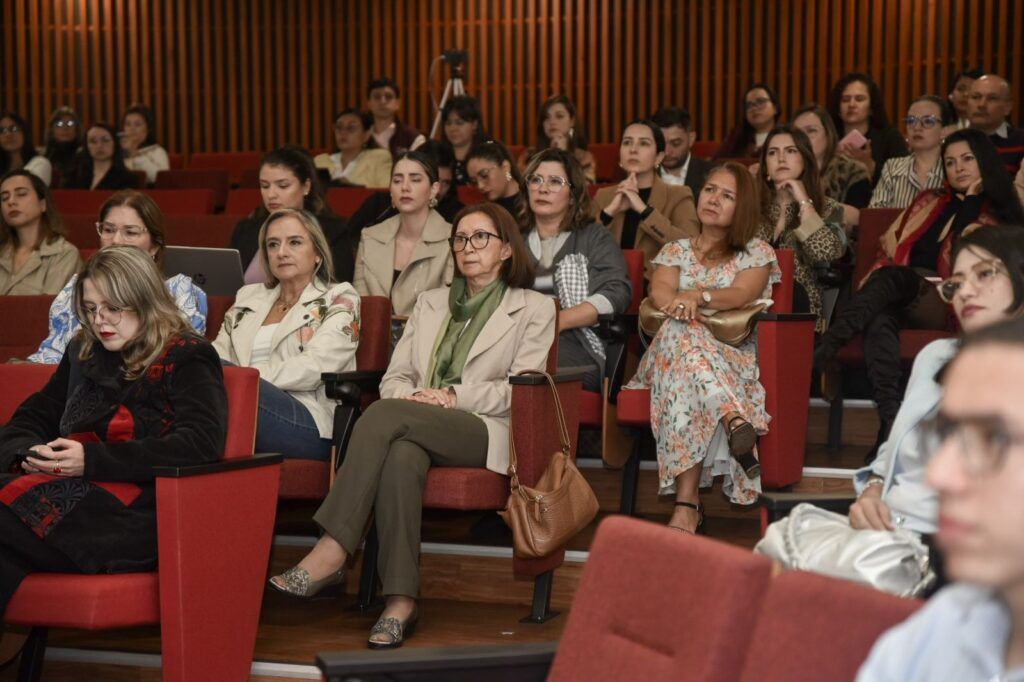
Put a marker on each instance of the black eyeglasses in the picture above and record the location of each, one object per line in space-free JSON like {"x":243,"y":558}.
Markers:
{"x":756,"y":103}
{"x":923,"y":121}
{"x":981,"y":442}
{"x":479,"y":240}
{"x":13,"y":128}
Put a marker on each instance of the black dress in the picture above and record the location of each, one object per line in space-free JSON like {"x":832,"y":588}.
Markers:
{"x":117,"y":177}
{"x":105,"y":520}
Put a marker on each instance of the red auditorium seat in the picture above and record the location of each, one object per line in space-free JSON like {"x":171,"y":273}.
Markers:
{"x":32,"y":317}
{"x":515,"y":150}
{"x":469,"y":194}
{"x":606,"y":161}
{"x":81,"y":229}
{"x":170,"y":201}
{"x":307,"y":479}
{"x":704,"y":149}
{"x":177,"y":161}
{"x":216,"y":307}
{"x":785,"y":343}
{"x":197,"y":178}
{"x":476,"y":488}
{"x":873,"y":224}
{"x":346,"y":200}
{"x":813,"y":627}
{"x":233,"y":162}
{"x":212,"y":231}
{"x":214,"y":522}
{"x":242,"y":202}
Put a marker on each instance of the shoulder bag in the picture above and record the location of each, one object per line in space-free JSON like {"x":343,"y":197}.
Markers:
{"x":732,"y":327}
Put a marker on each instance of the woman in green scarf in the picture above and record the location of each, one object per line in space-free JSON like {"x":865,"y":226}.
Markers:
{"x":445,"y":401}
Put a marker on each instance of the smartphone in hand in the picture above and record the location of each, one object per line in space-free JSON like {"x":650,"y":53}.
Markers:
{"x":23,"y":453}
{"x":854,"y":139}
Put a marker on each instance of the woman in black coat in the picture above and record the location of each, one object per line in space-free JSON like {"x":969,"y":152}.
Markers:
{"x":100,"y":165}
{"x":137,"y":389}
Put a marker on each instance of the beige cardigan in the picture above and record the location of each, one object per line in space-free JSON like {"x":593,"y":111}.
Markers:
{"x":47,"y":270}
{"x":319,"y":334}
{"x":430,"y":265}
{"x":517,"y":336}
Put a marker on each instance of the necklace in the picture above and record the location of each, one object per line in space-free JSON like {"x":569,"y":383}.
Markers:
{"x":285,"y":305}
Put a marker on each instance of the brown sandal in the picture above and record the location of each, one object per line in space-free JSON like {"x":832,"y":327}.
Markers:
{"x":742,"y":439}
{"x":699,"y":530}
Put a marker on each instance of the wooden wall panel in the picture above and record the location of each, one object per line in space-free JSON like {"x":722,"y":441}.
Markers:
{"x":225,"y":75}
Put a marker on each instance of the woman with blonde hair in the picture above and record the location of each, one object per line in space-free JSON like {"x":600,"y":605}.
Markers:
{"x":295,"y":326}
{"x":137,"y":389}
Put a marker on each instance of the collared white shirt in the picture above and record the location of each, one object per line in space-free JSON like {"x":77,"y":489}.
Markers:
{"x":1003,"y":130}
{"x":680,"y":178}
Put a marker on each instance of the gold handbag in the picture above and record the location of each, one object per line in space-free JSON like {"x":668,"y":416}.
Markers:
{"x":732,"y":327}
{"x":545,"y":517}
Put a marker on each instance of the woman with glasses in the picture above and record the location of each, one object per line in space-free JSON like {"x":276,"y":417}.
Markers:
{"x":102,"y":167}
{"x":904,"y":177}
{"x":575,"y":258}
{"x":288,"y":179}
{"x":62,"y":141}
{"x":462,"y":129}
{"x":35,"y":258}
{"x":761,"y":113}
{"x":137,"y":389}
{"x":985,"y":287}
{"x":643,"y":212}
{"x":494,"y":172}
{"x":355,"y":164}
{"x":916,"y":249}
{"x":559,"y":128}
{"x":18,"y":151}
{"x":127,"y":218}
{"x":841,"y":178}
{"x":293,"y":327}
{"x":445,"y":401}
{"x":707,"y":405}
{"x":408,"y":253}
{"x":855,"y":103}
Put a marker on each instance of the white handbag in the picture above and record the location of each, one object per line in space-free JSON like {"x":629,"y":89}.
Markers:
{"x":817,"y":540}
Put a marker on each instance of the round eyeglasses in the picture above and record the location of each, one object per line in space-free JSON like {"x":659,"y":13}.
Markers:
{"x":479,"y":240}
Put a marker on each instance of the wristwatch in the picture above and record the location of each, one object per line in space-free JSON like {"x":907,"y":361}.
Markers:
{"x":705,"y":296}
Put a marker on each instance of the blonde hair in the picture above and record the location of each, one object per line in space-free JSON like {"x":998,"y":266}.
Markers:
{"x":325,"y":271}
{"x":127,"y":277}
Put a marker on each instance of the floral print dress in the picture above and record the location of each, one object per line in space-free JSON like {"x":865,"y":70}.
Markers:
{"x":695,"y":380}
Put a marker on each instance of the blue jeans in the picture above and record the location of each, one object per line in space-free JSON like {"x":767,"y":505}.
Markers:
{"x":285,"y":425}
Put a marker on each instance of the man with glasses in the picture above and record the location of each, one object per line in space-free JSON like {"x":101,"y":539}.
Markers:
{"x":974,"y":629}
{"x":988,"y":109}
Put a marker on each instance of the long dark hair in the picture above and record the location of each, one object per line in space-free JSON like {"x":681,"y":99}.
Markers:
{"x":578,"y":139}
{"x":1002,"y":200}
{"x":300,"y":163}
{"x":84,"y":162}
{"x":743,"y":135}
{"x":879,"y":120}
{"x":50,"y":223}
{"x":147,"y":115}
{"x":63,"y":153}
{"x":28,"y":149}
{"x":468,"y":109}
{"x":809,"y":177}
{"x":1005,"y":242}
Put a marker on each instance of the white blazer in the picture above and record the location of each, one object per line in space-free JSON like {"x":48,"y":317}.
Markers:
{"x":319,"y":334}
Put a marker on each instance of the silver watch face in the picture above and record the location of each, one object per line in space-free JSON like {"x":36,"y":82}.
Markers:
{"x":706,"y":296}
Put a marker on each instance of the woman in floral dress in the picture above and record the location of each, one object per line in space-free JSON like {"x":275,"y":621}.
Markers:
{"x":707,"y":405}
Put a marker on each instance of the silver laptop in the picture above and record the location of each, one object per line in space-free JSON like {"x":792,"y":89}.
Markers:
{"x":218,"y":272}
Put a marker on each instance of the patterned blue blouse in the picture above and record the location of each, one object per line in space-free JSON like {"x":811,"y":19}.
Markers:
{"x":64,"y":323}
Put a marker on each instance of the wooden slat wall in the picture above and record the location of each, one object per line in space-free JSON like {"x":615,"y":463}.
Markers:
{"x":227,"y":75}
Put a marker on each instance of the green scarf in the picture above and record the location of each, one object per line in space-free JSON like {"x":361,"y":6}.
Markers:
{"x":466,"y":317}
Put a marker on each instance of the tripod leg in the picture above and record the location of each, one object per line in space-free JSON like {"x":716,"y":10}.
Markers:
{"x":448,"y":91}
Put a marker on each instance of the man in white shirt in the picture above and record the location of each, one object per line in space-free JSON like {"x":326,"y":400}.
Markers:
{"x":988,"y":109}
{"x":972,"y":630}
{"x":680,"y":167}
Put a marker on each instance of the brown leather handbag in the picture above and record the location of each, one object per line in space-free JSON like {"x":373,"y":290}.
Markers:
{"x":545,"y":517}
{"x":728,"y":326}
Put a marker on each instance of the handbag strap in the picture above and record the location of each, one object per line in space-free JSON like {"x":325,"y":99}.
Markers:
{"x":563,"y":430}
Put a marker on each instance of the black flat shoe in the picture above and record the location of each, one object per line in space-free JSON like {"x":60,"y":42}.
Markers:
{"x":699,"y":530}
{"x":394,"y":629}
{"x":742,"y":439}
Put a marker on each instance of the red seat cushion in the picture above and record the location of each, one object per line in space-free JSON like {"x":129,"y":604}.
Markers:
{"x":304,"y":479}
{"x":90,"y":602}
{"x":465,"y":488}
{"x":911,"y":343}
{"x":591,"y":408}
{"x":635,"y":407}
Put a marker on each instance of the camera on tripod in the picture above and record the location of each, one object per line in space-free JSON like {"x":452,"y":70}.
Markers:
{"x":455,"y":57}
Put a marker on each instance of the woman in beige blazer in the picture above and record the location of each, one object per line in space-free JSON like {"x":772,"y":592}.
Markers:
{"x":293,"y":328}
{"x":407,"y":254}
{"x":644,"y":212}
{"x":34,"y":256}
{"x":445,"y":402}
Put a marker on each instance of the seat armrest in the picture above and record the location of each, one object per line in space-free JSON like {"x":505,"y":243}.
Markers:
{"x":785,"y":317}
{"x":779,"y":505}
{"x":563,"y":375}
{"x":615,"y":326}
{"x":219,"y":467}
{"x":346,"y":386}
{"x":519,"y":661}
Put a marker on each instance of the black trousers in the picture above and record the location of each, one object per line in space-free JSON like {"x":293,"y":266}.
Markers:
{"x":894,"y":297}
{"x":23,"y":552}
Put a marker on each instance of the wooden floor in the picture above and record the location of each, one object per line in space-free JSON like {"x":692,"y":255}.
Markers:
{"x":469,"y":598}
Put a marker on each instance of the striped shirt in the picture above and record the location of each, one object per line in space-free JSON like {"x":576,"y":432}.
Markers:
{"x":898,"y":184}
